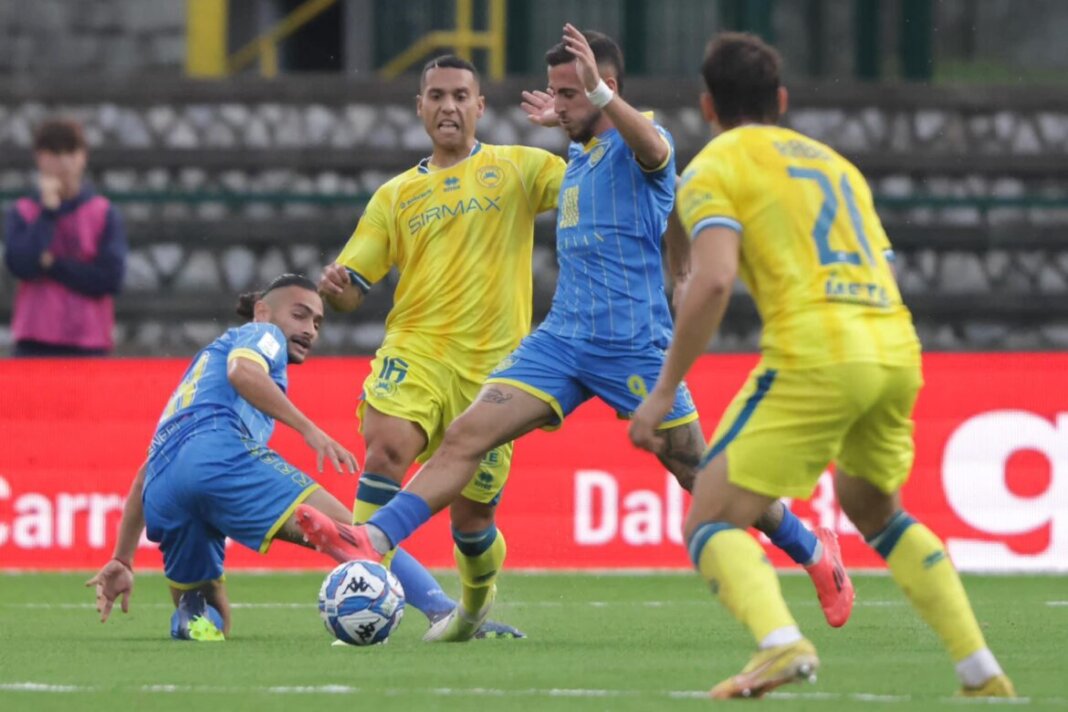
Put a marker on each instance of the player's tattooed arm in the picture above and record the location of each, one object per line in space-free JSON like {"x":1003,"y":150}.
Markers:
{"x":681,"y":453}
{"x":495,"y":395}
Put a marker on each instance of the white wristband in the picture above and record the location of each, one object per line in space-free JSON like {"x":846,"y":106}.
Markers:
{"x":601,"y":95}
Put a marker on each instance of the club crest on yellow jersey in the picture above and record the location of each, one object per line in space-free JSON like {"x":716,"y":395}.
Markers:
{"x":489,"y":176}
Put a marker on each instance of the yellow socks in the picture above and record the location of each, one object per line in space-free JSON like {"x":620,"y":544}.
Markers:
{"x":738,"y":572}
{"x":920,"y":566}
{"x":479,"y":558}
{"x":373,"y":493}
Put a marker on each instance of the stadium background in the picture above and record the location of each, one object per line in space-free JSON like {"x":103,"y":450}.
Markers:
{"x":240,"y":139}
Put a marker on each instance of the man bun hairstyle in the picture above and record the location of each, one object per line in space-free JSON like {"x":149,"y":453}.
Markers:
{"x":60,"y":135}
{"x":246,"y":303}
{"x":448,"y":61}
{"x":741,"y":72}
{"x":605,"y":51}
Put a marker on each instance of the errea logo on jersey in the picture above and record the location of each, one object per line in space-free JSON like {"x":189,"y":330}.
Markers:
{"x":460,"y":207}
{"x":452,"y":184}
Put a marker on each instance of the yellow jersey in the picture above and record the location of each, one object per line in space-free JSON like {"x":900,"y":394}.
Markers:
{"x":814,"y":254}
{"x":462,"y":240}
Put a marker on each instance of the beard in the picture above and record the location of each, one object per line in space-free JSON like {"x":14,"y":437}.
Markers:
{"x":583,"y":133}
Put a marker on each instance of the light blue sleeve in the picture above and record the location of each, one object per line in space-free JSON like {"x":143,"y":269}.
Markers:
{"x":268,"y":341}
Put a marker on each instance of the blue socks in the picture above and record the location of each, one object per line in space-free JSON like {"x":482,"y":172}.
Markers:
{"x":793,"y":538}
{"x":404,"y":514}
{"x":421,"y":590}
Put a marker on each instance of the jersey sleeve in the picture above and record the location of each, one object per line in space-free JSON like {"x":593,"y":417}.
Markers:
{"x":262,"y":343}
{"x":367,"y":253}
{"x":661,"y":172}
{"x":542,"y":174}
{"x":703,"y":200}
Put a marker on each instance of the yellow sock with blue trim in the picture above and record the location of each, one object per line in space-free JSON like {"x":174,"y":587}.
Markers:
{"x":373,"y":493}
{"x":921,"y":568}
{"x":741,"y":576}
{"x":479,"y":558}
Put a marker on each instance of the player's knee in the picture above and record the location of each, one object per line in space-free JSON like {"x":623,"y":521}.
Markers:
{"x":387,"y":458}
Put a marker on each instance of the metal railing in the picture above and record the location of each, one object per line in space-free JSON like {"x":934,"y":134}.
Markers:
{"x":265,"y":47}
{"x":463,"y":40}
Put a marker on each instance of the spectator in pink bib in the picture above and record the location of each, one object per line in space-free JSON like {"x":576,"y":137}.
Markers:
{"x":67,"y":247}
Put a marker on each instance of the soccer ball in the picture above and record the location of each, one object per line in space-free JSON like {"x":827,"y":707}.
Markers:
{"x":361,"y":602}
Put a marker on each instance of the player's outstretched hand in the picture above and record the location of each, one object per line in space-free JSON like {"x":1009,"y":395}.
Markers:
{"x":334,"y":280}
{"x":645,"y":421}
{"x":539,"y":108}
{"x":585,"y":62}
{"x":326,"y":448}
{"x":114,"y":580}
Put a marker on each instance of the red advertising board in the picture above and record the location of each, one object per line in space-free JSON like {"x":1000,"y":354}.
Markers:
{"x":991,"y":472}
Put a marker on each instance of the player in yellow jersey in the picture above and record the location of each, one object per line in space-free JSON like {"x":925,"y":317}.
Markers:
{"x":838,"y":379}
{"x":459,"y":228}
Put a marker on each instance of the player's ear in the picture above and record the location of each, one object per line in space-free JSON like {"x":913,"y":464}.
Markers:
{"x":784,"y":100}
{"x":708,"y":108}
{"x":481,"y":105}
{"x":261,"y":311}
{"x":611,"y":81}
{"x":419,"y":104}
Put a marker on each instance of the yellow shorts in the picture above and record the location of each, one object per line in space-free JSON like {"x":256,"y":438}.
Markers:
{"x":785,"y":426}
{"x":430,"y":394}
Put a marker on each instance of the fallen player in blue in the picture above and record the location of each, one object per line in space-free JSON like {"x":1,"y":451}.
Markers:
{"x":210,"y":475}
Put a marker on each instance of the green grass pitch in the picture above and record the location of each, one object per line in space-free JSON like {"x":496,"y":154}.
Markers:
{"x":597,"y":642}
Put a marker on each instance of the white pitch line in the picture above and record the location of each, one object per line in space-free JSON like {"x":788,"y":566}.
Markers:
{"x":500,"y":604}
{"x":552,"y":692}
{"x":1056,"y":604}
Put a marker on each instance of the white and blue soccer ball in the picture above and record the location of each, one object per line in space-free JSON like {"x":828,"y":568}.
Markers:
{"x":361,"y":603}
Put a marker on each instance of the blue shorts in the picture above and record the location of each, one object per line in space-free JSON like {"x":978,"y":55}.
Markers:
{"x":565,"y":373}
{"x":214,"y":485}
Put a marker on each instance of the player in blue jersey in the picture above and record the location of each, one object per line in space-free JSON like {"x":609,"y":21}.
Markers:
{"x":605,"y":336}
{"x":209,"y":474}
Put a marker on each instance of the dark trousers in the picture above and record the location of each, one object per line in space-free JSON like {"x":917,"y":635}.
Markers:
{"x":39,"y":349}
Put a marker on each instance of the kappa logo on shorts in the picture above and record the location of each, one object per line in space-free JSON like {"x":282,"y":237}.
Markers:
{"x":484,"y":480}
{"x":489,"y":176}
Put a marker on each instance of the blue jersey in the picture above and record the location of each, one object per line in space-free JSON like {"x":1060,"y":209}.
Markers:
{"x":205,"y":399}
{"x":612,"y":214}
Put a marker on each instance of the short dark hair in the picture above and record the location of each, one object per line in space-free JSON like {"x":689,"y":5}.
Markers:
{"x":741,"y":73}
{"x":246,"y":303}
{"x":605,"y":51}
{"x":59,"y":136}
{"x":448,"y":61}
